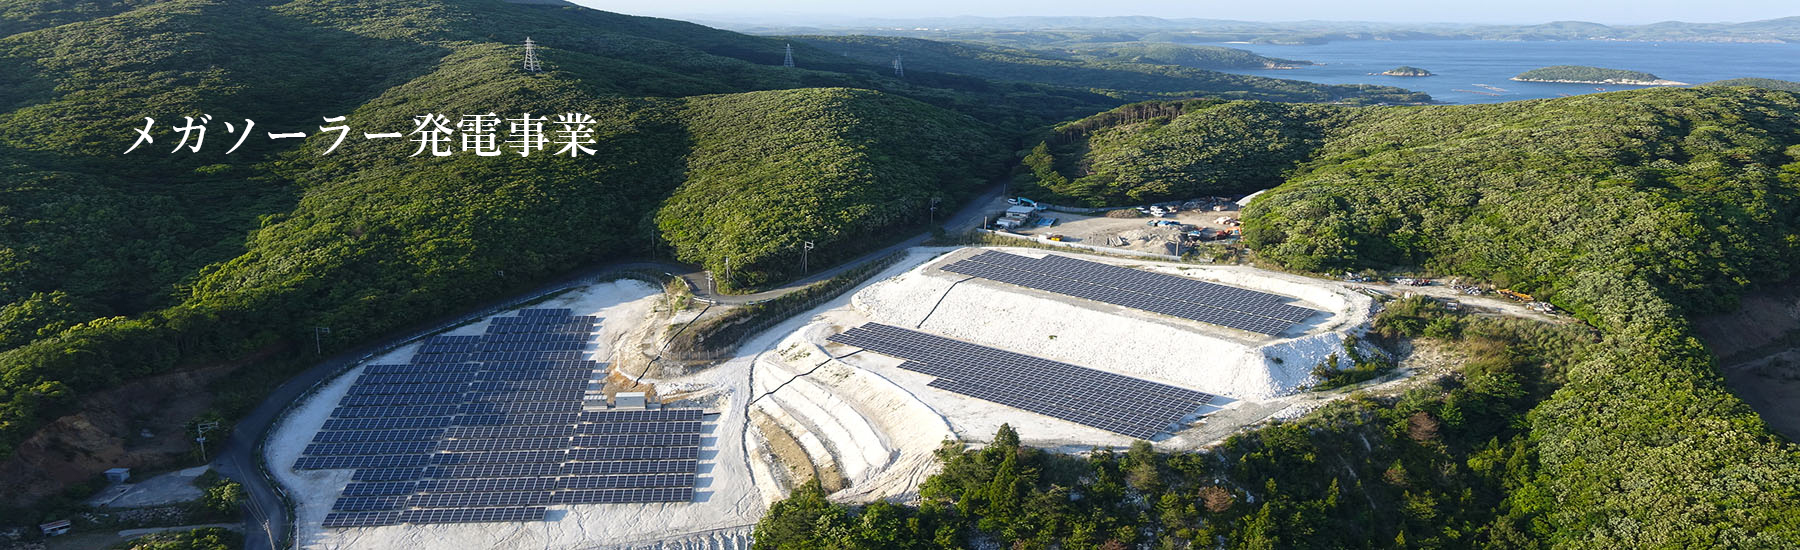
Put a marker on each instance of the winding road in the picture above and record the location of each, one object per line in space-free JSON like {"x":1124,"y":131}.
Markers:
{"x":266,"y":520}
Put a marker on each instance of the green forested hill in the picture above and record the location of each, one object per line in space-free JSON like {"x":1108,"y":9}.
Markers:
{"x":1769,"y":83}
{"x":116,"y":266}
{"x":1631,"y":209}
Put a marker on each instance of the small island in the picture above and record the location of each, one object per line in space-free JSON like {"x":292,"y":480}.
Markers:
{"x":1405,"y":70}
{"x":1579,"y":74}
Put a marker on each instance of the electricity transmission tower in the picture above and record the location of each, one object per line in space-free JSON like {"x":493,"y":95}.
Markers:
{"x":787,"y":59}
{"x":531,"y":59}
{"x":899,"y":69}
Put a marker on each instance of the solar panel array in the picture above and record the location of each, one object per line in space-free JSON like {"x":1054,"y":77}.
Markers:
{"x":1222,"y":305}
{"x":1115,"y":403}
{"x":490,"y":428}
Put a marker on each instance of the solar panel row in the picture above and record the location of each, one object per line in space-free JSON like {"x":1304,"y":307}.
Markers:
{"x":359,"y":436}
{"x":1120,"y":404}
{"x":638,"y":428}
{"x":409,"y":368}
{"x":1167,"y":294}
{"x":639,"y":440}
{"x":650,"y":415}
{"x":379,"y":488}
{"x":348,"y":462}
{"x":517,"y":444}
{"x":665,"y":494}
{"x":386,"y":423}
{"x":545,"y":374}
{"x":392,"y":399}
{"x":391,"y":389}
{"x":372,"y":448}
{"x":394,"y":411}
{"x":470,"y":515}
{"x":550,"y":327}
{"x":417,"y":378}
{"x":523,"y":407}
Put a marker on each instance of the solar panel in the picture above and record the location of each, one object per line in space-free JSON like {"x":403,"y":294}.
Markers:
{"x":649,"y":415}
{"x":625,"y":481}
{"x":515,"y":419}
{"x":506,"y":396}
{"x":394,"y":412}
{"x":360,"y":519}
{"x":386,"y":423}
{"x":479,"y":500}
{"x":499,"y":457}
{"x":529,"y":385}
{"x":383,"y":488}
{"x":488,"y":485}
{"x":417,"y":378}
{"x":384,"y":389}
{"x":667,"y":494}
{"x":634,"y":453}
{"x":543,"y":374}
{"x":387,"y":474}
{"x":479,"y":428}
{"x":501,"y":432}
{"x":473,"y":515}
{"x":473,"y":471}
{"x":526,"y":407}
{"x":637,"y":428}
{"x":1222,"y":305}
{"x":630,"y":467}
{"x":1120,"y":404}
{"x":361,"y":504}
{"x":348,"y":462}
{"x":639,"y":440}
{"x":395,"y":399}
{"x":358,"y":436}
{"x":371,"y":448}
{"x":518,"y":444}
{"x":410,"y":368}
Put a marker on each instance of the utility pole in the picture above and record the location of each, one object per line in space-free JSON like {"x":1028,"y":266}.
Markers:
{"x":932,"y":220}
{"x":727,"y":270}
{"x":787,"y":59}
{"x":805,"y":248}
{"x":318,"y":346}
{"x":201,"y":429}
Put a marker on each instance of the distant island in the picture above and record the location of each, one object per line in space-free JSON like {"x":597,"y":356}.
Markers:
{"x":1405,"y":70}
{"x":1580,"y":74}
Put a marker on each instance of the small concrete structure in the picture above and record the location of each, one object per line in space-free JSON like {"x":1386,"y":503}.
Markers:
{"x":1016,"y":217}
{"x":629,"y":400}
{"x":118,"y":475}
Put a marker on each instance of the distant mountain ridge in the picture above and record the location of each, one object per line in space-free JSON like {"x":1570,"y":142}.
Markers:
{"x":1785,"y":29}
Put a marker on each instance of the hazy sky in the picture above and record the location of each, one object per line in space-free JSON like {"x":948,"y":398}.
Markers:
{"x":1462,"y":11}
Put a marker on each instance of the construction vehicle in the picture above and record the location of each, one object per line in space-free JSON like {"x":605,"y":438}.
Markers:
{"x":1519,"y":296}
{"x":1022,"y":201}
{"x":1054,"y":237}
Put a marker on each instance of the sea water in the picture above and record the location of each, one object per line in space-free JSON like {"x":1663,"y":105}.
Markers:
{"x":1477,"y":71}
